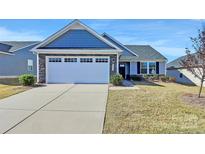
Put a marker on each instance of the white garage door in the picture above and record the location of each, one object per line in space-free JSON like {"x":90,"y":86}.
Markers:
{"x":77,"y":70}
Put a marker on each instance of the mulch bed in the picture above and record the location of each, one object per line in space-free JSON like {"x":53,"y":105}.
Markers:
{"x":193,"y":99}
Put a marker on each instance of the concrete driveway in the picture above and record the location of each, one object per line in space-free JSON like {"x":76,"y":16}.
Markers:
{"x":55,"y":108}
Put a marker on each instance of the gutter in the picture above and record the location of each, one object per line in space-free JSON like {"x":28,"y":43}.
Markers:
{"x":6,"y":53}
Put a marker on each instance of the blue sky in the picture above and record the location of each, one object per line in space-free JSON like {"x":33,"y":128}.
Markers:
{"x":170,"y":37}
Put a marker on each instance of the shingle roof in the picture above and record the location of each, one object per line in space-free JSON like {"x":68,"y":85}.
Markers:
{"x":15,"y":45}
{"x":176,"y":63}
{"x":145,"y":52}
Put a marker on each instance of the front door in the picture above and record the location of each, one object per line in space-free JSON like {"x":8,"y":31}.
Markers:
{"x":122,"y":70}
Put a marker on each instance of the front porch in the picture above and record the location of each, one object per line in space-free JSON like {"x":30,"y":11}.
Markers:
{"x":140,"y":68}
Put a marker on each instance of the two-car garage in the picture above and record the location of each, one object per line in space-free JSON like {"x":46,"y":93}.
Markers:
{"x":76,"y":54}
{"x":83,"y":69}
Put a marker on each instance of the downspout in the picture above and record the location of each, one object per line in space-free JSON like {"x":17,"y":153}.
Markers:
{"x":37,"y":68}
{"x":166,"y":67}
{"x":117,"y":63}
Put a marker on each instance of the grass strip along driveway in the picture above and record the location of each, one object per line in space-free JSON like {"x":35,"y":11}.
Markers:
{"x":153,"y":109}
{"x":8,"y":90}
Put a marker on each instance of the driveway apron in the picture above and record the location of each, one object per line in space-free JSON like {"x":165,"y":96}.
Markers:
{"x":64,"y":108}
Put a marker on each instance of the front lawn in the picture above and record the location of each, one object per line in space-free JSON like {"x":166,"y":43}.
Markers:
{"x":154,"y":108}
{"x":8,"y":90}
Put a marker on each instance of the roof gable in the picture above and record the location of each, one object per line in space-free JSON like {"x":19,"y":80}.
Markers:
{"x":76,"y":36}
{"x":146,"y":52}
{"x":125,"y":50}
{"x":176,"y":63}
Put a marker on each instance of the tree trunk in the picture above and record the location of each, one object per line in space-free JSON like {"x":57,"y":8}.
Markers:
{"x":202,"y":81}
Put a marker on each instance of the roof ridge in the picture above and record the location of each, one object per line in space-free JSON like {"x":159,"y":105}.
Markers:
{"x":136,"y":45}
{"x":19,"y":41}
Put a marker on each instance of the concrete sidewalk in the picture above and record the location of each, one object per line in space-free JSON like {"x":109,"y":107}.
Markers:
{"x":55,"y":109}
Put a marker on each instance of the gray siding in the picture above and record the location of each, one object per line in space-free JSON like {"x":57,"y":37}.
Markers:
{"x":162,"y":68}
{"x":15,"y":65}
{"x":176,"y":74}
{"x":133,"y":68}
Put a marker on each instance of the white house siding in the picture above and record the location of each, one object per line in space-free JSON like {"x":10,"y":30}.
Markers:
{"x":133,"y":68}
{"x":162,"y":67}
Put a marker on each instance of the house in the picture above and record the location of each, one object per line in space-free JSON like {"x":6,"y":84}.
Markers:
{"x":78,"y":54}
{"x":16,"y":58}
{"x":139,"y":59}
{"x":181,"y":74}
{"x":4,"y":49}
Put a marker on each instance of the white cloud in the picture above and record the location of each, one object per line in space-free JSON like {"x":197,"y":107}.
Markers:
{"x":10,"y":35}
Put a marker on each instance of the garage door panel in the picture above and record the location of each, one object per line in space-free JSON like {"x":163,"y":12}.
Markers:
{"x":77,"y":72}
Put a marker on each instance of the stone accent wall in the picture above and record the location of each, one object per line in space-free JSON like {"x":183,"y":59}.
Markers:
{"x":42,"y":68}
{"x":113,"y":61}
{"x":42,"y":63}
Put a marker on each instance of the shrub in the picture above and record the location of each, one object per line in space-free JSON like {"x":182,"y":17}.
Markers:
{"x":136,"y":78}
{"x":146,"y":77}
{"x":155,"y":77}
{"x":116,"y":79}
{"x":151,"y":77}
{"x":164,"y":78}
{"x":172,"y":79}
{"x":26,"y":79}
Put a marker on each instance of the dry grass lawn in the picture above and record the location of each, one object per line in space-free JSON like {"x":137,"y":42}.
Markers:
{"x":8,"y":90}
{"x":153,"y":109}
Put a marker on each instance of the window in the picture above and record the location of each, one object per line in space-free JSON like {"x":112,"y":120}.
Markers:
{"x":152,"y":68}
{"x":54,"y":59}
{"x":101,"y":60}
{"x":86,"y":60}
{"x":70,"y":60}
{"x":30,"y":65}
{"x":181,"y":75}
{"x":143,"y":68}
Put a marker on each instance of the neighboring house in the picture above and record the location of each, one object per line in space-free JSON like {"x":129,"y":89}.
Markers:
{"x":4,"y":49}
{"x":78,"y":54}
{"x":16,"y":59}
{"x":182,"y":75}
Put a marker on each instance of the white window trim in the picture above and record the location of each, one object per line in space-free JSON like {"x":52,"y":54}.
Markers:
{"x":29,"y":65}
{"x":55,"y":61}
{"x":87,"y":60}
{"x":148,"y":67}
{"x":101,"y":60}
{"x":155,"y":68}
{"x":75,"y":61}
{"x":141,"y":68}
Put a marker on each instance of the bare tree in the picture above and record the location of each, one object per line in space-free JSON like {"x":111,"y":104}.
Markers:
{"x":195,"y":63}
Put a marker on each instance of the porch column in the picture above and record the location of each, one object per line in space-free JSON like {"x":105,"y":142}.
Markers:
{"x":118,"y":63}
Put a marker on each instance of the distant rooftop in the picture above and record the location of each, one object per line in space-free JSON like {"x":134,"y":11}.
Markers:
{"x":11,"y":46}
